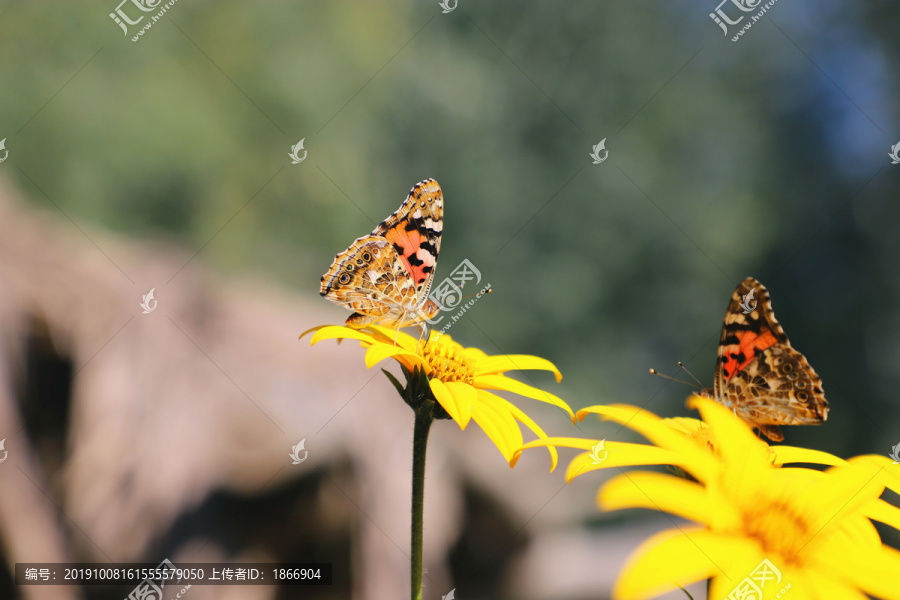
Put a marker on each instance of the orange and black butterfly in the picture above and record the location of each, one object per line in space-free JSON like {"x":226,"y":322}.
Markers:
{"x":385,"y":277}
{"x":759,"y":374}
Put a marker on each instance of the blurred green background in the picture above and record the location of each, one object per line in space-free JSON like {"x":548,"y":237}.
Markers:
{"x":766,"y":157}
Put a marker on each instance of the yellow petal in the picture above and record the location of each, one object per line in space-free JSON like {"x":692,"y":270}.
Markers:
{"x":873,"y":570}
{"x":316,"y":328}
{"x":499,"y":382}
{"x":823,"y":586}
{"x":839,"y":492}
{"x":497,"y":423}
{"x":623,"y":454}
{"x":658,"y":491}
{"x":476,"y":354}
{"x":566,"y":442}
{"x":790,"y":454}
{"x":884,"y":469}
{"x":530,"y":424}
{"x":446,"y":399}
{"x":330,"y":332}
{"x":679,"y":557}
{"x":378,"y":352}
{"x":686,"y":425}
{"x":735,"y":437}
{"x":701,"y":463}
{"x":515,"y":362}
{"x":388,"y":335}
{"x":466,"y":396}
{"x":881,"y":511}
{"x":617,"y":454}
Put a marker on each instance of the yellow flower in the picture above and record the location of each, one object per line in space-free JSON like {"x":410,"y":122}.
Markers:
{"x":459,"y":379}
{"x":680,"y":442}
{"x":814,"y":528}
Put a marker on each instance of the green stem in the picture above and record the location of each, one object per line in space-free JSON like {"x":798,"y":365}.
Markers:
{"x":424,"y":417}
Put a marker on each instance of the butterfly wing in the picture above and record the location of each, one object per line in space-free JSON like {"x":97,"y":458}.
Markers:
{"x":371,"y":279}
{"x":414,"y":231}
{"x":759,"y":374}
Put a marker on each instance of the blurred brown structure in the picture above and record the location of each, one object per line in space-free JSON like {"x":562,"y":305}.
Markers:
{"x":138,"y":437}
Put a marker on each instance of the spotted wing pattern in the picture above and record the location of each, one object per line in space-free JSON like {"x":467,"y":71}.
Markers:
{"x":758,"y":373}
{"x":384,"y":277}
{"x":415,"y":232}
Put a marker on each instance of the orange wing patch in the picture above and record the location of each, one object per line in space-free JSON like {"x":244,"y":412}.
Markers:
{"x":407,"y":244}
{"x":738,"y":356}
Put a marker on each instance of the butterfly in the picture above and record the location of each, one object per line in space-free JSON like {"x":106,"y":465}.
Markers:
{"x":759,"y":374}
{"x":385,"y":277}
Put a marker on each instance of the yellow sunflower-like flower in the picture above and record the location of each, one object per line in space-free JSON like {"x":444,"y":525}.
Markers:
{"x":679,"y":442}
{"x":762,"y":528}
{"x":460,"y":379}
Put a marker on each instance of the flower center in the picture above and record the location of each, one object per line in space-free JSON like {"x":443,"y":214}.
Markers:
{"x":448,"y":364}
{"x":779,"y":528}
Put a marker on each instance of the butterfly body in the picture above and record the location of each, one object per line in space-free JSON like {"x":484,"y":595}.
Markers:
{"x":385,"y":277}
{"x":759,"y":374}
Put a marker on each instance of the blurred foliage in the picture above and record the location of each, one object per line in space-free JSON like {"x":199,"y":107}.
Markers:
{"x":765,"y":157}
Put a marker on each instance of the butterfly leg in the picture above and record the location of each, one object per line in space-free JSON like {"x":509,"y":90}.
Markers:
{"x":399,"y":325}
{"x":423,"y":333}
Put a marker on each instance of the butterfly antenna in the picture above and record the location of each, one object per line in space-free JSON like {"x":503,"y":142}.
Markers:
{"x":657,"y":373}
{"x":487,"y":291}
{"x":684,"y":368}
